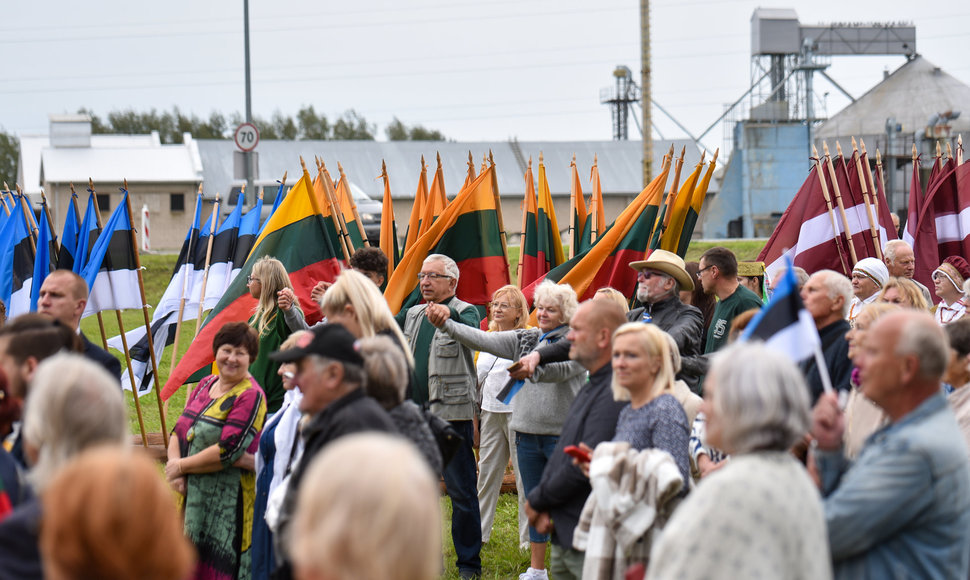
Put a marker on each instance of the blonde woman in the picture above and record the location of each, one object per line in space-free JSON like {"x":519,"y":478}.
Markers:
{"x":357,"y":303}
{"x":507,"y":311}
{"x":643,"y":375}
{"x":265,"y":281}
{"x":904,"y":292}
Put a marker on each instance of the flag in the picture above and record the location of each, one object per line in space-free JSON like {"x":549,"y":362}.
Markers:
{"x":69,"y":237}
{"x":88,"y":234}
{"x":417,"y":209}
{"x":437,"y":200}
{"x":580,"y":228}
{"x":249,"y":229}
{"x":597,"y":217}
{"x":166,"y":314}
{"x":607,"y":262}
{"x":470,"y":176}
{"x":670,"y":239}
{"x":914,"y":206}
{"x":330,"y":221}
{"x":16,"y":261}
{"x":942,"y":229}
{"x":42,"y":257}
{"x":280,"y":194}
{"x":297,"y":237}
{"x":805,"y":232}
{"x":220,"y":259}
{"x":388,"y":242}
{"x":529,"y":267}
{"x":110,"y":272}
{"x":549,"y":239}
{"x":784,"y":324}
{"x":348,"y":207}
{"x":470,"y":232}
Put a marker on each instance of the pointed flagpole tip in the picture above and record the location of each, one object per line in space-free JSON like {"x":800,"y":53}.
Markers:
{"x":838,"y":148}
{"x":340,"y":168}
{"x":814,"y":152}
{"x":284,"y":178}
{"x":825,"y":149}
{"x":530,"y":162}
{"x":438,"y":155}
{"x":540,"y":158}
{"x":594,"y":159}
{"x":422,"y":160}
{"x":302,"y":163}
{"x":862,"y":145}
{"x":914,"y":150}
{"x":574,"y":159}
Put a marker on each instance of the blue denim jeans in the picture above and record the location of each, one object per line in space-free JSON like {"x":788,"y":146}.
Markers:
{"x":461,"y":482}
{"x":534,"y":452}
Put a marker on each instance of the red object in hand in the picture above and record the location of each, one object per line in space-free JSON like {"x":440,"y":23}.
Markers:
{"x":635,"y":572}
{"x":578,"y":453}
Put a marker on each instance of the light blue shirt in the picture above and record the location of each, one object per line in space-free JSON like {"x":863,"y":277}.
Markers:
{"x":902,"y":510}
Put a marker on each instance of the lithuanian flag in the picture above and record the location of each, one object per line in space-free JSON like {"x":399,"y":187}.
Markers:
{"x":670,"y":238}
{"x":348,"y":208}
{"x":697,"y":198}
{"x":607,"y":262}
{"x":297,"y":236}
{"x":547,"y":227}
{"x":580,"y":228}
{"x":528,"y":268}
{"x":330,"y":222}
{"x":388,"y":226}
{"x":437,"y":200}
{"x":417,"y":209}
{"x":470,"y":232}
{"x":597,"y":217}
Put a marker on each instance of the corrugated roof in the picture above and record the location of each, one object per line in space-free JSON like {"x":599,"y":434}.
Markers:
{"x":912,"y":94}
{"x":110,"y":158}
{"x":619,"y":163}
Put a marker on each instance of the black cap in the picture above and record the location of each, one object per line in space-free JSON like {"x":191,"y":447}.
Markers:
{"x":329,"y":340}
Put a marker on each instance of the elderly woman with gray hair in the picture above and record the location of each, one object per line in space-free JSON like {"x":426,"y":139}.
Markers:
{"x":761,"y":510}
{"x":541,"y":403}
{"x":73,"y":405}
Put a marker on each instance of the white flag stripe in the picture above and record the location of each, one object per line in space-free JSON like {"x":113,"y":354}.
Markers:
{"x":114,"y":290}
{"x":797,"y":341}
{"x":953,"y":227}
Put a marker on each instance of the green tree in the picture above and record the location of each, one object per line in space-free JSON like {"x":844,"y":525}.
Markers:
{"x":9,"y":157}
{"x":312,"y":125}
{"x":398,"y":131}
{"x":285,"y":126}
{"x":351,"y":126}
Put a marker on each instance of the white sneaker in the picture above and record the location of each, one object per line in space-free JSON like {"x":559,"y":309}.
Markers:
{"x":533,"y":574}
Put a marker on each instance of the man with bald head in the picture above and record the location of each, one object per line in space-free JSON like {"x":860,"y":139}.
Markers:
{"x":902,"y":510}
{"x":591,"y":419}
{"x":826,"y":295}
{"x":63,"y":295}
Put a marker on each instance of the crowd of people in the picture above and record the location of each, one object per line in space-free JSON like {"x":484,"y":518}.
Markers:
{"x":645,"y":443}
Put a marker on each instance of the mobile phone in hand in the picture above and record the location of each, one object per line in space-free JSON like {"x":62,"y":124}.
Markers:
{"x":578,"y":453}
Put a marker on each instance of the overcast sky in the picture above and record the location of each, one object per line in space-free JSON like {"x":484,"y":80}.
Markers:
{"x":531,"y":69}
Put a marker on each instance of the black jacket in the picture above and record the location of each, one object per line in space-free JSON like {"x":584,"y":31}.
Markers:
{"x":563,"y":489}
{"x":102,"y":357}
{"x":682,"y":321}
{"x":355,"y":412}
{"x":835,"y":351}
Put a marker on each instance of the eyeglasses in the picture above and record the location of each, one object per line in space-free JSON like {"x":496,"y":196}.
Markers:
{"x":647,"y":274}
{"x":250,"y":279}
{"x":701,"y":271}
{"x":431,"y":276}
{"x":500,"y":305}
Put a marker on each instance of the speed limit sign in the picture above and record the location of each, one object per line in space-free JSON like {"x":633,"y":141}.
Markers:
{"x":246,"y":137}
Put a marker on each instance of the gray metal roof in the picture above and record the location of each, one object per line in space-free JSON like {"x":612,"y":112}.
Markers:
{"x":619,"y":163}
{"x":912,"y":94}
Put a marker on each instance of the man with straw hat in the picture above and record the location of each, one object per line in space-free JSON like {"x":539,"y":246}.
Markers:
{"x":660,"y":279}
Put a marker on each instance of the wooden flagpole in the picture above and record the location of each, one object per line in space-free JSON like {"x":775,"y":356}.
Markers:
{"x":828,"y":206}
{"x":873,"y":191}
{"x":873,"y":230}
{"x":97,"y":218}
{"x":190,"y":259}
{"x":124,"y":338}
{"x":335,"y":211}
{"x":28,"y":214}
{"x":208,"y":256}
{"x":498,"y":209}
{"x":50,"y":224}
{"x":959,"y":149}
{"x":838,"y":201}
{"x":353,"y":205}
{"x":148,"y":323}
{"x":672,"y":193}
{"x":571,"y":229}
{"x":471,"y":168}
{"x":3,"y":199}
{"x":525,"y":223}
{"x":949,"y":151}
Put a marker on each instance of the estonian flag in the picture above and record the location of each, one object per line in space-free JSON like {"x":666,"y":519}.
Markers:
{"x":110,"y":271}
{"x":42,"y":259}
{"x":220,"y":261}
{"x":16,"y":261}
{"x":165,"y":317}
{"x":87,"y":235}
{"x":69,"y":237}
{"x":787,"y":327}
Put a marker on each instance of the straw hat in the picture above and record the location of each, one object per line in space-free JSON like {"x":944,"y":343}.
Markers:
{"x":667,"y":263}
